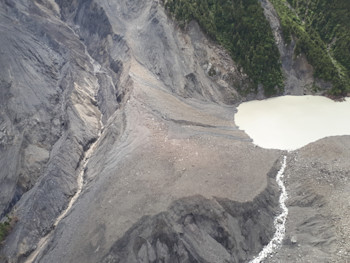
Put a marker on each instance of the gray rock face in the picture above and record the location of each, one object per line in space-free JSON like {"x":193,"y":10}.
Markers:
{"x":114,"y":94}
{"x":49,"y":116}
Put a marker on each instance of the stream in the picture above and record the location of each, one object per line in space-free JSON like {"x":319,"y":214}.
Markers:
{"x":80,"y":179}
{"x":80,"y":183}
{"x":289,"y":123}
{"x":280,"y":220}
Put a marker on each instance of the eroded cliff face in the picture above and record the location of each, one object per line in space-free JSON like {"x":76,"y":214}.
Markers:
{"x":111,"y":98}
{"x":50,"y":114}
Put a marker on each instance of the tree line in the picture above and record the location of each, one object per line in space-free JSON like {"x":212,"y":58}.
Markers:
{"x":241,"y":27}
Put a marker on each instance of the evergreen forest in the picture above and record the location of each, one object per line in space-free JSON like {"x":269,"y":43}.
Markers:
{"x":321,"y":29}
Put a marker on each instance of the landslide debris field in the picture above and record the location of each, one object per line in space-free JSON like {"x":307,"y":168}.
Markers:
{"x":111,"y":105}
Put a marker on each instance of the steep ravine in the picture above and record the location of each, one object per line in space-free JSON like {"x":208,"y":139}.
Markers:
{"x":80,"y":179}
{"x":80,"y":184}
{"x":280,"y":220}
{"x":75,"y":85}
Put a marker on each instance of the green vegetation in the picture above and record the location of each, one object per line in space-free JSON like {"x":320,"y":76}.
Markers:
{"x":322,"y":31}
{"x":241,"y":27}
{"x":6,"y":227}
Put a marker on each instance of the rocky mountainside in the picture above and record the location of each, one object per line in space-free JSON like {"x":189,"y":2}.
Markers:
{"x":309,"y":41}
{"x":118,"y":141}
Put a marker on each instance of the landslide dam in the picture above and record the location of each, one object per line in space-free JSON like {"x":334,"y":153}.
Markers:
{"x":119,"y":144}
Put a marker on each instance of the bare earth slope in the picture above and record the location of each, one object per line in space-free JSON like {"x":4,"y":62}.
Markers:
{"x":318,"y":184}
{"x":107,"y":103}
{"x":130,"y":86}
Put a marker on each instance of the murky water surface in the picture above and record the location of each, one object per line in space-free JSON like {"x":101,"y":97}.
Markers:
{"x":291,"y":122}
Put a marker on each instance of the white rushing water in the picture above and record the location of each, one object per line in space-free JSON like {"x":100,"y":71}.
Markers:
{"x":280,"y":220}
{"x":291,"y":122}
